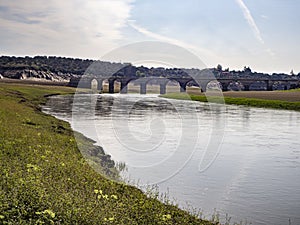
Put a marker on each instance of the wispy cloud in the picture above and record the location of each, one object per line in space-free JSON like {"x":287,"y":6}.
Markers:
{"x":204,"y":53}
{"x":250,"y":20}
{"x":159,"y":37}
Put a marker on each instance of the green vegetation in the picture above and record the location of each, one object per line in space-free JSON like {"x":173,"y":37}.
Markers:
{"x":253,"y":102}
{"x":292,"y":90}
{"x":45,"y":179}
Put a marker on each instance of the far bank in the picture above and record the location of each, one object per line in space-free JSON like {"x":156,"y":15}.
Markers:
{"x":288,"y":100}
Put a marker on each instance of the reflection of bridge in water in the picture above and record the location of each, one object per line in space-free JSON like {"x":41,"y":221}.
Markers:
{"x":202,"y":82}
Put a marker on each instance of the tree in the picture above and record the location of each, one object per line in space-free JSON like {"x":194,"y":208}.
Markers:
{"x":139,"y":74}
{"x":219,"y":68}
{"x":247,"y":69}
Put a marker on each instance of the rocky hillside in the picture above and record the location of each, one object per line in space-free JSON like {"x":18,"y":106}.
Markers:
{"x":42,"y":67}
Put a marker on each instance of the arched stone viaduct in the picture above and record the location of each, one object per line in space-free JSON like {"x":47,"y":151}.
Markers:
{"x":86,"y":82}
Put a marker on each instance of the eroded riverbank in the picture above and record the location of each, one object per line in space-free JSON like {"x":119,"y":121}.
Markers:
{"x":45,"y":179}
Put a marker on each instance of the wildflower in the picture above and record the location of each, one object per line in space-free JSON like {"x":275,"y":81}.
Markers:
{"x":110,"y":219}
{"x":167,"y":217}
{"x":114,"y":197}
{"x":47,"y":211}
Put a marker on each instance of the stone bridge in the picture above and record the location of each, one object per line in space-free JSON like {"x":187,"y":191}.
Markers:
{"x":202,"y":82}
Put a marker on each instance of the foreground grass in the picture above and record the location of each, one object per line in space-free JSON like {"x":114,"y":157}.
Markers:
{"x":45,"y":179}
{"x":253,"y":102}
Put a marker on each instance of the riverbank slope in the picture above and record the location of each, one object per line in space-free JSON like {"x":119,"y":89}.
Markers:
{"x":45,"y":179}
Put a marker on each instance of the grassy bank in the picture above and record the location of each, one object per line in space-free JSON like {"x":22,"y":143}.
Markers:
{"x":45,"y":179}
{"x":264,"y":102}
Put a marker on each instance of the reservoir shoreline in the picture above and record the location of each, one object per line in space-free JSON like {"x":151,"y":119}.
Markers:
{"x":230,"y":181}
{"x":46,"y":179}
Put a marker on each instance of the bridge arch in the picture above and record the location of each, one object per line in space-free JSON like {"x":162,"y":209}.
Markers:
{"x":94,"y":84}
{"x":258,"y":86}
{"x":144,"y":81}
{"x":124,"y":83}
{"x":224,"y":85}
{"x":235,"y":86}
{"x":282,"y":85}
{"x":112,"y":87}
{"x":161,"y":81}
{"x":214,"y":85}
{"x":294,"y":84}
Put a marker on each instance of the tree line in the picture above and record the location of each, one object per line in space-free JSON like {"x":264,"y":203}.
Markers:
{"x":76,"y":66}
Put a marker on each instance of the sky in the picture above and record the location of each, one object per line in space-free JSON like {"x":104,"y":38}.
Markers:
{"x":263,"y":35}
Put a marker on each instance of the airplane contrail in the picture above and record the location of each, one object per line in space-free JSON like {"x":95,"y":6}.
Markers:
{"x":250,"y":20}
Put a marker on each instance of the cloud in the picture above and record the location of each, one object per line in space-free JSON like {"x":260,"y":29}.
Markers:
{"x":250,"y":20}
{"x":75,"y":28}
{"x":208,"y":55}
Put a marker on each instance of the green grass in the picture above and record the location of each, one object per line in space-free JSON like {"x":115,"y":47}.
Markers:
{"x":46,"y":180}
{"x":292,"y":90}
{"x":253,"y":102}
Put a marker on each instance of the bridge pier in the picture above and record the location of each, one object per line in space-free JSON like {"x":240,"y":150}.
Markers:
{"x":99,"y":85}
{"x":294,"y":85}
{"x":203,"y":84}
{"x":286,"y":85}
{"x":182,"y":87}
{"x":269,"y":85}
{"x":111,"y":86}
{"x":246,"y":87}
{"x":143,"y":88}
{"x":225,"y":88}
{"x":162,"y":89}
{"x":245,"y":84}
{"x":124,"y":88}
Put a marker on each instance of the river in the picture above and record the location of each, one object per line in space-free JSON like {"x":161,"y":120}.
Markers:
{"x":236,"y":160}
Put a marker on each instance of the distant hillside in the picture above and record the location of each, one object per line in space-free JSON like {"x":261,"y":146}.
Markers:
{"x":63,"y":69}
{"x":44,"y":63}
{"x":43,"y":67}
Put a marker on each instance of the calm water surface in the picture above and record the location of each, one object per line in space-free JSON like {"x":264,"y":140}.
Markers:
{"x":237,"y":160}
